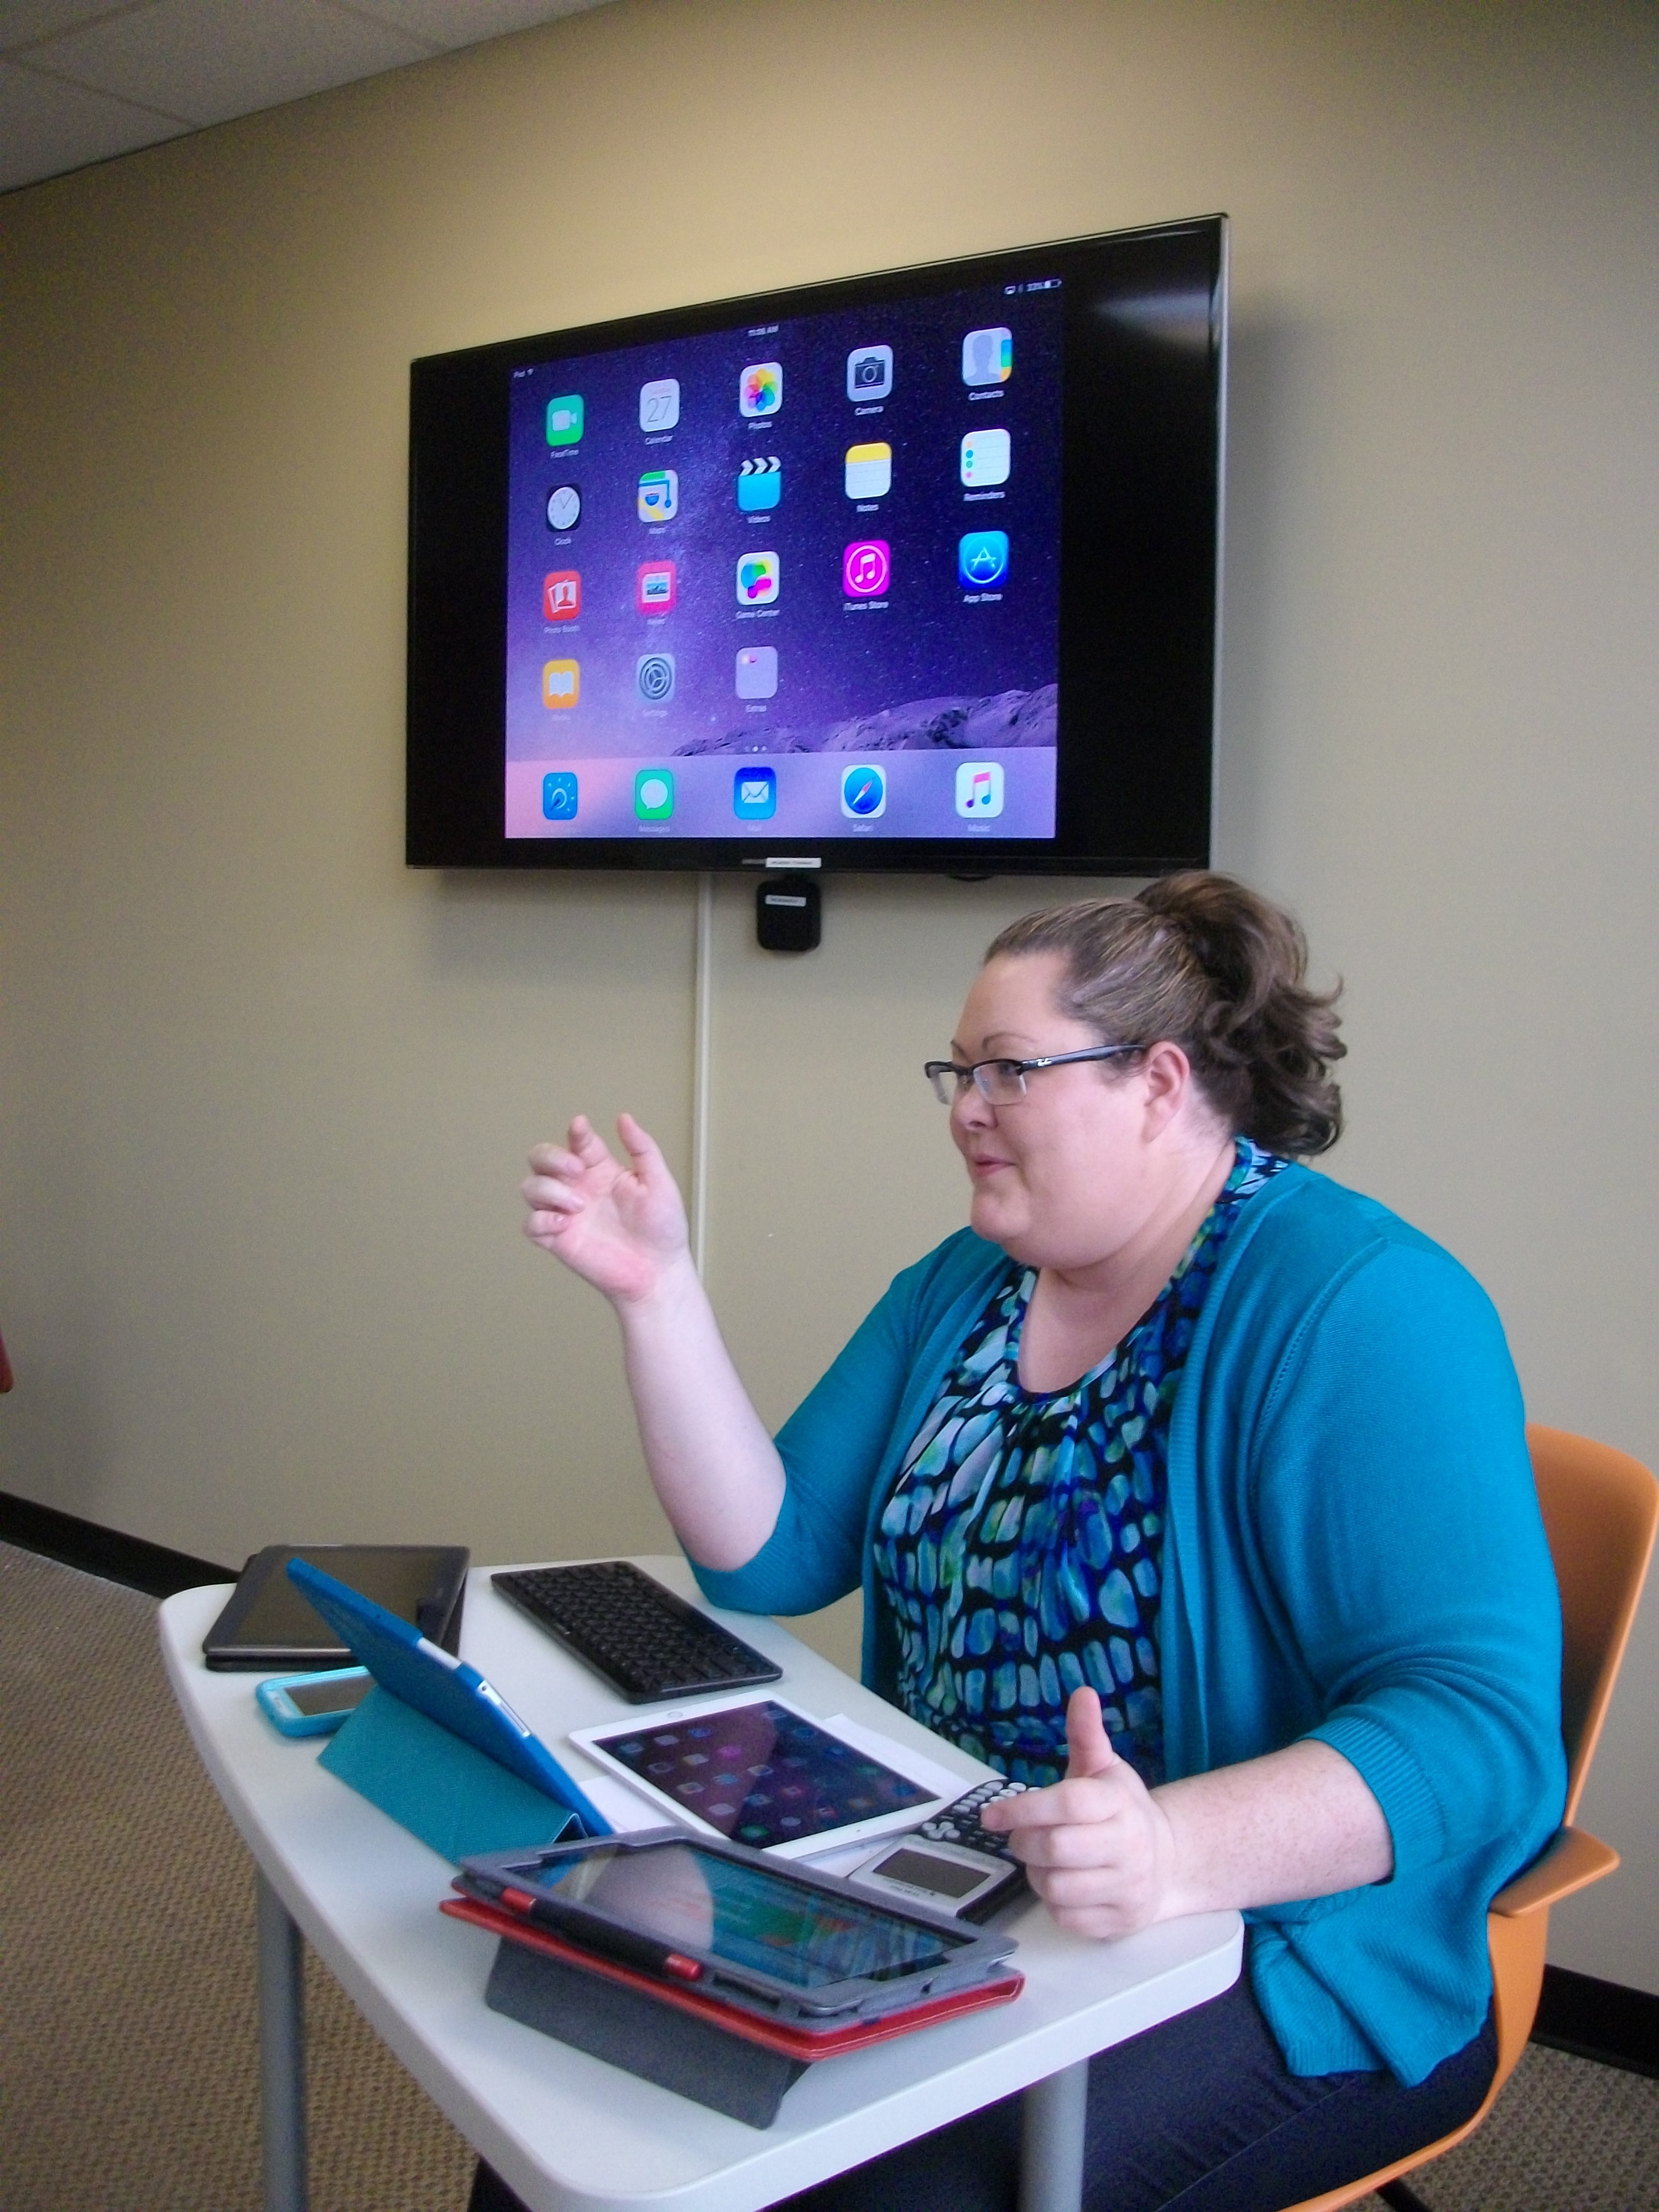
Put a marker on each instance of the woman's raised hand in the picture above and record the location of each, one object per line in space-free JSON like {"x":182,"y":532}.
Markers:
{"x":620,"y":1226}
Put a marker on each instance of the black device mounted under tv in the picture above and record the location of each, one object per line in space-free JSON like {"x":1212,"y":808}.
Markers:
{"x":913,"y":571}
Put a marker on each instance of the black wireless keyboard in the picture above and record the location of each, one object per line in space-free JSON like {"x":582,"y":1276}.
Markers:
{"x":647,"y":1644}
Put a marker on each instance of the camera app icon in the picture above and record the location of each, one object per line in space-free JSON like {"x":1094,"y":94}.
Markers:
{"x":870,"y":371}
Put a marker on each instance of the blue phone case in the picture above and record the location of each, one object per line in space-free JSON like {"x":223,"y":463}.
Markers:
{"x":284,"y":1716}
{"x":446,"y":1689}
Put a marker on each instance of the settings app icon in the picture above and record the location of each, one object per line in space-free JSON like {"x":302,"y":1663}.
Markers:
{"x":654,"y":675}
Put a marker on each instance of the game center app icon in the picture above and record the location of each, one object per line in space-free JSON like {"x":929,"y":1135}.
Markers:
{"x":979,"y":789}
{"x":655,"y":588}
{"x":653,"y":795}
{"x":982,"y":560}
{"x":760,"y":388}
{"x":559,"y":796}
{"x":864,"y":793}
{"x":758,"y":575}
{"x":866,"y":568}
{"x":562,"y":683}
{"x":659,"y":495}
{"x":870,"y":371}
{"x":755,"y":794}
{"x":987,"y":356}
{"x":561,"y":595}
{"x":659,"y":404}
{"x":760,"y":483}
{"x":564,"y":419}
{"x":757,"y":672}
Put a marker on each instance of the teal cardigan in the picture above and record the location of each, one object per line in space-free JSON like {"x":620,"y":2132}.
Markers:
{"x":1353,"y":1551}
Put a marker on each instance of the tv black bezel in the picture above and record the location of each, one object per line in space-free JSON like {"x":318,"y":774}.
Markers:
{"x":1140,"y":542}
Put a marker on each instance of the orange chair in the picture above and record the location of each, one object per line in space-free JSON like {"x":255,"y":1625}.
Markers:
{"x":1601,"y":1508}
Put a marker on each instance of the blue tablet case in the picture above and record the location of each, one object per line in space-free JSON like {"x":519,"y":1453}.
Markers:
{"x":434,"y":1746}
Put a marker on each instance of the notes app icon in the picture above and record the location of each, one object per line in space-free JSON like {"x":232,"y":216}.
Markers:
{"x":979,"y":790}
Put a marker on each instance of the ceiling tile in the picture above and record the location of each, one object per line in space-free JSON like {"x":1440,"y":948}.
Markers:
{"x":22,"y":21}
{"x":210,"y":61}
{"x":46,"y":127}
{"x":467,"y":22}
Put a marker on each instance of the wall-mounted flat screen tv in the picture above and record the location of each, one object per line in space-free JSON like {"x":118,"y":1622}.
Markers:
{"x":912,"y":571}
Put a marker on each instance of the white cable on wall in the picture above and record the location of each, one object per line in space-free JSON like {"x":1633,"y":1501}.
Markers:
{"x":702,"y":1021}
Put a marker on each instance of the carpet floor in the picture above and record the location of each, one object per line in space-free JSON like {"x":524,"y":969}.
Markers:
{"x":127,"y":2055}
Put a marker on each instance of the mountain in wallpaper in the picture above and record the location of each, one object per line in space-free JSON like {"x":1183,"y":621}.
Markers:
{"x":1005,"y":720}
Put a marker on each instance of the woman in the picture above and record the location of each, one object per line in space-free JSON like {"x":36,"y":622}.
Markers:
{"x":1187,"y":1487}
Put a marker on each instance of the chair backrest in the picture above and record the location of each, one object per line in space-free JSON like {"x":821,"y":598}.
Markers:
{"x":1601,"y":1508}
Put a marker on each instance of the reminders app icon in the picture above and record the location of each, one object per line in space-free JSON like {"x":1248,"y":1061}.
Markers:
{"x":755,"y":794}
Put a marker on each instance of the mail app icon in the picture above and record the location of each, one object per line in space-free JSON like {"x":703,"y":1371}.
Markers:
{"x":755,"y":794}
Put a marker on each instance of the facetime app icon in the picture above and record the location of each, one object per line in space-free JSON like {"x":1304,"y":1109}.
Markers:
{"x":564,"y":419}
{"x":562,"y":683}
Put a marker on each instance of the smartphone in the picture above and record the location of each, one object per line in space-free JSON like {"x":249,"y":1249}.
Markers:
{"x":312,"y":1704}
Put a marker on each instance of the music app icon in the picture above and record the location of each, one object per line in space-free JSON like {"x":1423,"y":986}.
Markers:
{"x":979,"y":789}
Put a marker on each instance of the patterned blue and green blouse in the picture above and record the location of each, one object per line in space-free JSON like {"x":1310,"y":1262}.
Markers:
{"x":1021,"y":1548}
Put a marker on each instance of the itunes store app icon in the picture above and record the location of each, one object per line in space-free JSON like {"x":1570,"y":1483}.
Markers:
{"x":866,"y":568}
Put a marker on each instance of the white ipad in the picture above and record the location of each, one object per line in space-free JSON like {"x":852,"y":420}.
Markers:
{"x":761,"y":1772}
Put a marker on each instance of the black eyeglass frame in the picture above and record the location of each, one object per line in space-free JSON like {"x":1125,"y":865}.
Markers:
{"x":936,"y":1070}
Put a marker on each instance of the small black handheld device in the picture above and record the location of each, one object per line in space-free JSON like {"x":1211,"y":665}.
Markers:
{"x":718,"y":1917}
{"x":269,"y":1625}
{"x":640,"y":1638}
{"x":950,"y":1863}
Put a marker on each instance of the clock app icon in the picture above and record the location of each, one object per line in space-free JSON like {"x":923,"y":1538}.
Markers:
{"x":564,"y":507}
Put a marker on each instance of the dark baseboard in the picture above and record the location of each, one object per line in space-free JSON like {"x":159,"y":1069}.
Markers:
{"x":1604,"y":2020}
{"x":155,"y":1569}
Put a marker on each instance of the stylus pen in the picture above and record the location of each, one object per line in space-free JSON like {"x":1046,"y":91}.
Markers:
{"x":589,"y":1934}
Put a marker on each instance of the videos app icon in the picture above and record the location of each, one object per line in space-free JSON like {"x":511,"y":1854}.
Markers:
{"x":760,"y":483}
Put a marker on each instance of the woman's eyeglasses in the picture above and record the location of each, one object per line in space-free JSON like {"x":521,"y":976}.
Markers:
{"x":1002,"y":1082}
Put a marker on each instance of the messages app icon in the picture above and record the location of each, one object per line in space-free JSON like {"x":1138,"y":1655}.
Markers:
{"x":564,"y":419}
{"x":653,"y":795}
{"x":755,"y":794}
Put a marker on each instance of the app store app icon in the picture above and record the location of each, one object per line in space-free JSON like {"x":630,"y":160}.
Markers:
{"x":757,"y":672}
{"x":755,"y":794}
{"x":982,"y":560}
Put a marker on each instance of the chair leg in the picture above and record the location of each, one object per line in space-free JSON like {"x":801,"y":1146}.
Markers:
{"x":1399,"y":2199}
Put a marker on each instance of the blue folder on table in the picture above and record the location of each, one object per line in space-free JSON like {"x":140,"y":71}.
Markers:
{"x":434,"y":1746}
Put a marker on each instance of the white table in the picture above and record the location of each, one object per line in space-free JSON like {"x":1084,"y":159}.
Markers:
{"x":567,"y":2132}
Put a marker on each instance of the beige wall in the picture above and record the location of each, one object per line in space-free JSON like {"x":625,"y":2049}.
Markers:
{"x":265,"y":1094}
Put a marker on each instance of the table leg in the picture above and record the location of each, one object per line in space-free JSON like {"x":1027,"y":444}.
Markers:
{"x":1051,"y":2146}
{"x":282,"y":2053}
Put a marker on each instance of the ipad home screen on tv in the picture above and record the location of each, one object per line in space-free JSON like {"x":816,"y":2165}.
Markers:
{"x":753,"y":574}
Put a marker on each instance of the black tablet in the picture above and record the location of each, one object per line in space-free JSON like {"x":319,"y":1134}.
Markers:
{"x":269,"y":1627}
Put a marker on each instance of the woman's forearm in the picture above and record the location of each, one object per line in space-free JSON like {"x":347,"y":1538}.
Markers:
{"x":1300,"y":1822}
{"x":715,"y":1469}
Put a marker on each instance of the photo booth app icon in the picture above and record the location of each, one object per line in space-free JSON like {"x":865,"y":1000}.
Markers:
{"x":757,"y":672}
{"x":562,"y":683}
{"x":755,"y":794}
{"x":559,"y":795}
{"x":561,"y":595}
{"x":866,"y":568}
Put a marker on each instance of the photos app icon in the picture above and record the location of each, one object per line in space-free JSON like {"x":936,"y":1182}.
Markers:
{"x":760,"y":388}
